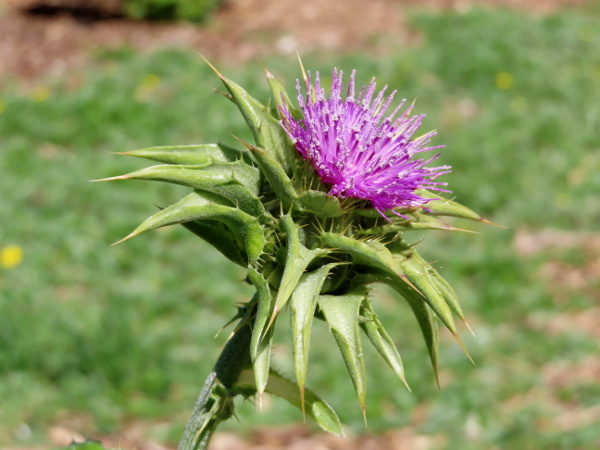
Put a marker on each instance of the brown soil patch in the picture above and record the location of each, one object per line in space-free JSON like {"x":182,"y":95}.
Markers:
{"x":560,"y":414}
{"x":560,"y":374}
{"x":586,"y":322}
{"x":293,"y":437}
{"x":32,"y":46}
{"x":563,"y":277}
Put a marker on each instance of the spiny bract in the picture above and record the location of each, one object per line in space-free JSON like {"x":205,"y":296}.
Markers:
{"x":312,"y":237}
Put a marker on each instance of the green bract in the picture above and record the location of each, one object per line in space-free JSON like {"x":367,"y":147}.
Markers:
{"x":265,"y":209}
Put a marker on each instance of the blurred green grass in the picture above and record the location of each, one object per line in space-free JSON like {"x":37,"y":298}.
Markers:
{"x":126,"y":332}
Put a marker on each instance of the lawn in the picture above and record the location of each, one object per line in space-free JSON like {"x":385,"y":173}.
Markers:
{"x":102,"y":336}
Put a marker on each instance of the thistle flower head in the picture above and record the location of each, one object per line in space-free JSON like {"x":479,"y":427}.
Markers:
{"x":357,"y":150}
{"x":303,"y":249}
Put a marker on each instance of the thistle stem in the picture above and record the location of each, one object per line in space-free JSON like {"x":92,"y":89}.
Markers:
{"x":215,"y":402}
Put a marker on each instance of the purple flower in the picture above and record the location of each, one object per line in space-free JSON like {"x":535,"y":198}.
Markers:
{"x":357,"y":151}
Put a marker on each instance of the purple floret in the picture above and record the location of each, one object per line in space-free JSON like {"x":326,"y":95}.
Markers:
{"x":357,"y":151}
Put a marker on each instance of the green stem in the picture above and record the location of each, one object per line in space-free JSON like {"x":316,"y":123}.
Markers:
{"x":215,"y":402}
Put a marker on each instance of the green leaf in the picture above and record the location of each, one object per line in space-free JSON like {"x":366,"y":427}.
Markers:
{"x":318,"y":409}
{"x":237,"y":181}
{"x":369,"y":253}
{"x":280,"y":95}
{"x":416,"y":221}
{"x":218,"y":172}
{"x":298,"y":258}
{"x":426,"y":318}
{"x":449,"y":295}
{"x":381,"y":340}
{"x":417,"y":272}
{"x":266,"y":129}
{"x":190,"y":154}
{"x":342,"y":314}
{"x":202,"y":206}
{"x":302,"y":308}
{"x":278,"y":180}
{"x":260,"y":346}
{"x":321,"y":203}
{"x":220,"y":237}
{"x":444,"y":207}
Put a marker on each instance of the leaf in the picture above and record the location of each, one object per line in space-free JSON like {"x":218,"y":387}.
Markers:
{"x":417,"y":271}
{"x":302,"y":308}
{"x":190,"y":154}
{"x":322,"y":204}
{"x":280,"y":95}
{"x":260,"y":346}
{"x":297,"y":260}
{"x":318,"y":409}
{"x":278,"y":180}
{"x":238,"y":182}
{"x":201,"y":206}
{"x":213,"y":232}
{"x":342,"y":314}
{"x":267,"y":131}
{"x":368,"y":253}
{"x":415,"y":221}
{"x":449,"y":295}
{"x":219,"y":172}
{"x":381,"y":340}
{"x":426,"y":318}
{"x":440,"y":206}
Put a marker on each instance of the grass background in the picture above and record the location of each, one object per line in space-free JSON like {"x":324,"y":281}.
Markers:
{"x":126,"y":333}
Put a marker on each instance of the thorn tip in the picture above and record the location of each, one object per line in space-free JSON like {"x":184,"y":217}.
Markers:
{"x":364,"y":413}
{"x":463,"y":347}
{"x":129,"y":236}
{"x":468,"y":327}
{"x":488,"y":222}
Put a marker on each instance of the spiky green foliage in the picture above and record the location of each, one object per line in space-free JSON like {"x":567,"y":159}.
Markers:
{"x":264,"y":208}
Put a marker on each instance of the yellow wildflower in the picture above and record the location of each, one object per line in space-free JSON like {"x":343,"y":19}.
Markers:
{"x":504,"y":81}
{"x":11,"y":256}
{"x":147,"y":86}
{"x":40,"y":94}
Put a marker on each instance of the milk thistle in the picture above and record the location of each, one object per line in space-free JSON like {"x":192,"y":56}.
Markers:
{"x":359,"y":152}
{"x":317,"y":209}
